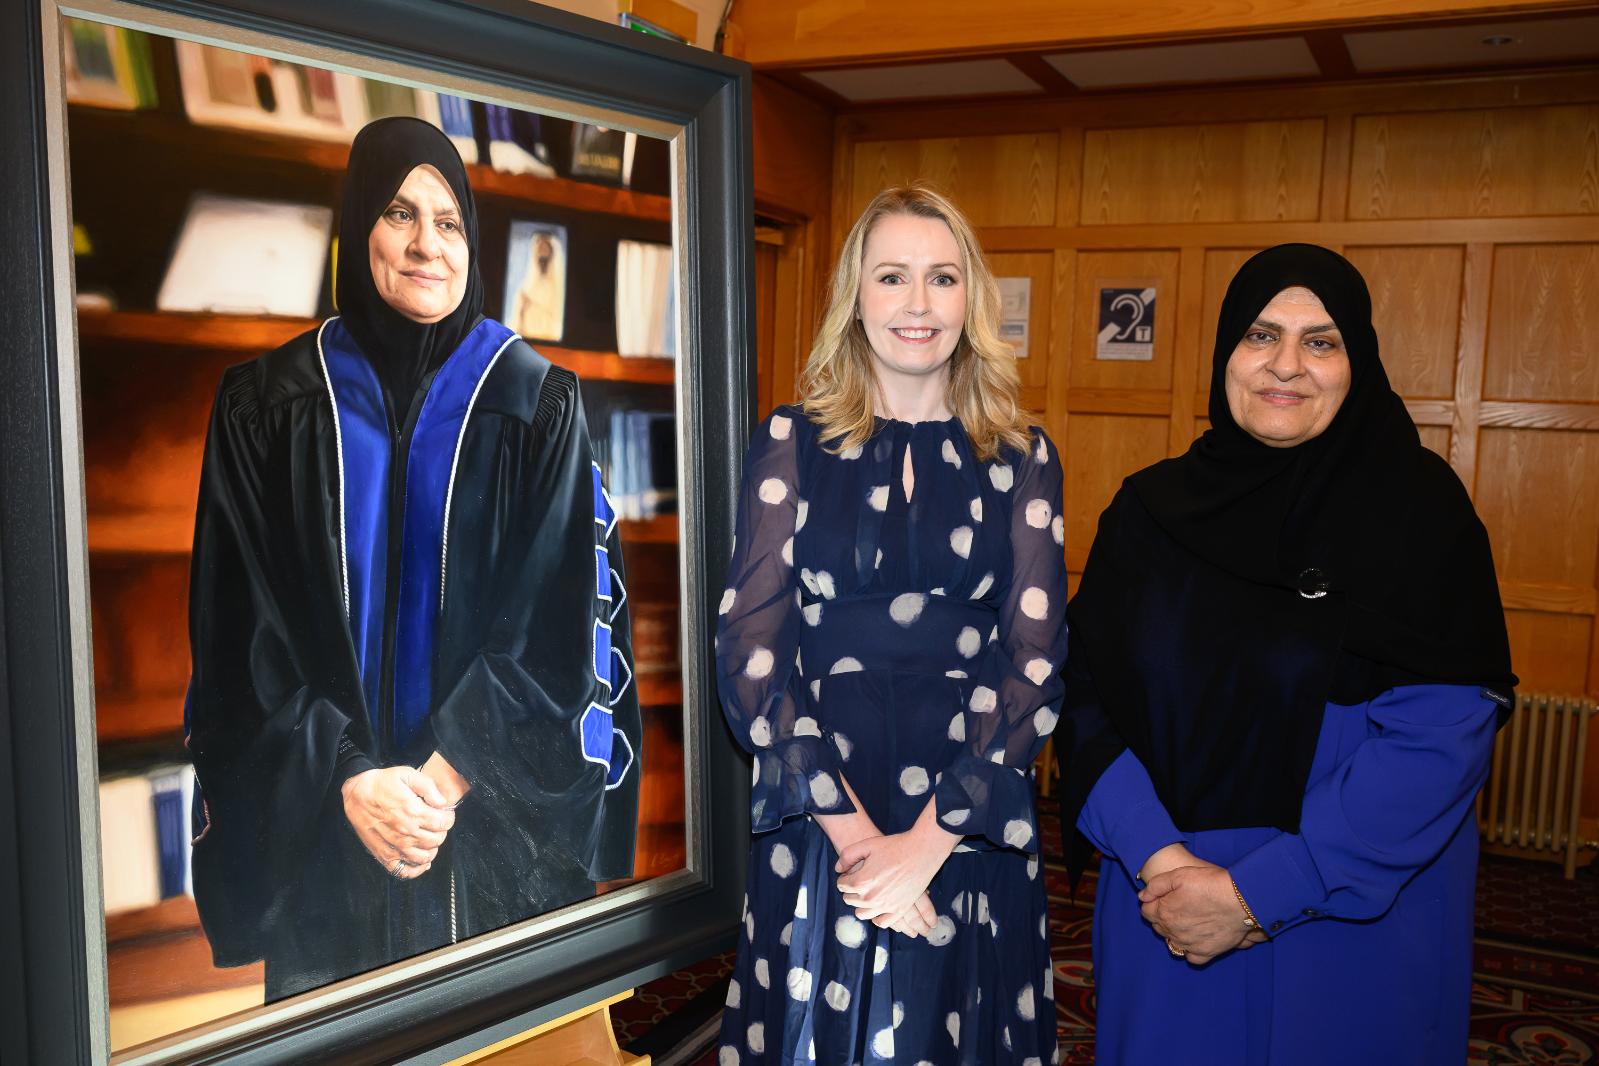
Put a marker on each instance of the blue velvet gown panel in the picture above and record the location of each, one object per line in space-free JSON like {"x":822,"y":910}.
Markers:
{"x":912,"y":646}
{"x":1369,"y":905}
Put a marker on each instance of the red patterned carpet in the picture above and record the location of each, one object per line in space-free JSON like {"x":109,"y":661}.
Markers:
{"x":1535,"y":993}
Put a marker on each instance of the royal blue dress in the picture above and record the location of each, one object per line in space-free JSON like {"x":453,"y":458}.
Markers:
{"x":913,"y":646}
{"x":1369,"y":905}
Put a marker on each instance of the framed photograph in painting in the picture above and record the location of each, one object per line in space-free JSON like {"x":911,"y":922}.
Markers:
{"x":535,"y":280}
{"x":208,"y":664}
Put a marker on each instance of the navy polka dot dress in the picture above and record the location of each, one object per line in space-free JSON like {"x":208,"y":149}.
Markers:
{"x":912,"y":646}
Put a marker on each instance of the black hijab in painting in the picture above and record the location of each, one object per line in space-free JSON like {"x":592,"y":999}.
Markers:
{"x":402,"y":352}
{"x":1234,"y":591}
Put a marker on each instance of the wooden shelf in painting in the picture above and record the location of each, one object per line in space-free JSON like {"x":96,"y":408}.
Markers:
{"x":662,"y":529}
{"x":138,"y":716}
{"x":253,"y":334}
{"x":147,"y":715}
{"x":141,"y":532}
{"x":172,"y":532}
{"x":162,"y":134}
{"x":160,"y":951}
{"x":663,"y":689}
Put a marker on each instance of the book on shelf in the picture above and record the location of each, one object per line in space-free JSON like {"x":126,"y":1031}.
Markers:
{"x":655,"y":636}
{"x":107,"y":66}
{"x":517,"y":141}
{"x":455,"y":119}
{"x":637,"y":453}
{"x":385,"y":99}
{"x":224,"y":87}
{"x":602,"y":154}
{"x":252,"y":257}
{"x":646,"y":299}
{"x":145,"y":839}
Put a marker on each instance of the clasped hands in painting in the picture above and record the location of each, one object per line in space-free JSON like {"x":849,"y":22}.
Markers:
{"x":402,"y":815}
{"x":1192,"y":904}
{"x":885,"y":877}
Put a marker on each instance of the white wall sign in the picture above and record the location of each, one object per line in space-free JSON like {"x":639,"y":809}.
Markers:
{"x":1015,"y":304}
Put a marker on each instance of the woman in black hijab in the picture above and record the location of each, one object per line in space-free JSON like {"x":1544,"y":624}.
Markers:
{"x":1288,"y":659}
{"x":389,"y":758}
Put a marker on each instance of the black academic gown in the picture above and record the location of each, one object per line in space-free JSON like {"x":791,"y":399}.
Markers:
{"x":308,"y":630}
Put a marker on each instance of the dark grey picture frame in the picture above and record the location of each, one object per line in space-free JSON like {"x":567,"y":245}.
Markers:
{"x":52,"y":965}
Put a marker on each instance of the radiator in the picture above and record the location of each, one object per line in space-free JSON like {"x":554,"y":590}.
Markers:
{"x":1533,"y":796}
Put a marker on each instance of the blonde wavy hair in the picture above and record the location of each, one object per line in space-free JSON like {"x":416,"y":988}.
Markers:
{"x":838,"y":385}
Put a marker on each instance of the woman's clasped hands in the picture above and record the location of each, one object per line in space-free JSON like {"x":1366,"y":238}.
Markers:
{"x":885,"y":877}
{"x":1192,"y":904}
{"x":402,"y":815}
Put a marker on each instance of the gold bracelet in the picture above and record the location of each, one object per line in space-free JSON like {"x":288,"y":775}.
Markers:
{"x":1249,"y":915}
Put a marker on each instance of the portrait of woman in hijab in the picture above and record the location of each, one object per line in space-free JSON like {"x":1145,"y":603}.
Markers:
{"x":1288,"y":662}
{"x":411,"y":711}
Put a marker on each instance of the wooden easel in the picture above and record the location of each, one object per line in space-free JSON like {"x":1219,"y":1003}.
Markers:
{"x":582,"y":1038}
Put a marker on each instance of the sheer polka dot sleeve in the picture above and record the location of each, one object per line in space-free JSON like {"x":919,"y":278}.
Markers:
{"x":759,"y":673}
{"x":1016,"y":701}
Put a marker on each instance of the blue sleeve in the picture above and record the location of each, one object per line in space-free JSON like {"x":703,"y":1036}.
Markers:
{"x":1381,"y":815}
{"x":759,"y":674}
{"x":1124,"y":818}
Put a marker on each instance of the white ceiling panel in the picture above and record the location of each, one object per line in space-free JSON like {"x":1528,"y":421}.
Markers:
{"x":1116,"y":68}
{"x":1457,"y":47}
{"x":971,"y":77}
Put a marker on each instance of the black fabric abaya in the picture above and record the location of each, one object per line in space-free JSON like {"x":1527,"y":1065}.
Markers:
{"x":292,"y":692}
{"x":1234,"y":591}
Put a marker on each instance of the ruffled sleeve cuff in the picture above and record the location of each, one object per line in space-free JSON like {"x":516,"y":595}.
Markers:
{"x":986,"y":799}
{"x":795,"y":776}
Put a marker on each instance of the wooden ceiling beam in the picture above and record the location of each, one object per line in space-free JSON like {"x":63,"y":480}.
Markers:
{"x":811,"y":33}
{"x":1038,"y":68}
{"x":1331,"y":53}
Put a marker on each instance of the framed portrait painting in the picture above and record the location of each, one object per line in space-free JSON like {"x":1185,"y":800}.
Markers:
{"x":355,"y":569}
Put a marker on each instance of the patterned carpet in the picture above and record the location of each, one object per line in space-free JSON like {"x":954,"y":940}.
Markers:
{"x":1535,"y":988}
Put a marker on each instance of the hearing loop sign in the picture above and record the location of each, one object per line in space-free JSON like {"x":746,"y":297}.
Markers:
{"x":1126,"y":325}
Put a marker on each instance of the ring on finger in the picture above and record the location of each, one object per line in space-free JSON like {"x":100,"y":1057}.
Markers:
{"x":398,"y":866}
{"x":1177,"y":952}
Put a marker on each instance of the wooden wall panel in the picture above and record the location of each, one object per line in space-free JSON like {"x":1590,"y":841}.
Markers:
{"x":1503,"y":162}
{"x":1100,"y":451}
{"x":1220,"y":266}
{"x":1040,"y":268}
{"x":1544,"y":323}
{"x":1415,"y":305}
{"x":996,"y":181}
{"x":1436,"y":438}
{"x":1540,"y":506}
{"x":1223,"y":172}
{"x":1129,"y":269}
{"x":1549,"y":651}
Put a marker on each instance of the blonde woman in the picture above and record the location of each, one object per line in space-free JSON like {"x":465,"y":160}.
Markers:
{"x":888,"y":650}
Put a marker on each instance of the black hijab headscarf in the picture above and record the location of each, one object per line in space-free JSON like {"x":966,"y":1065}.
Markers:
{"x":1234,"y":591}
{"x":402,"y":352}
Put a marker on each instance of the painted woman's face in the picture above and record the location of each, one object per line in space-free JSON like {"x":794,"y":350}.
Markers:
{"x":418,"y":250}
